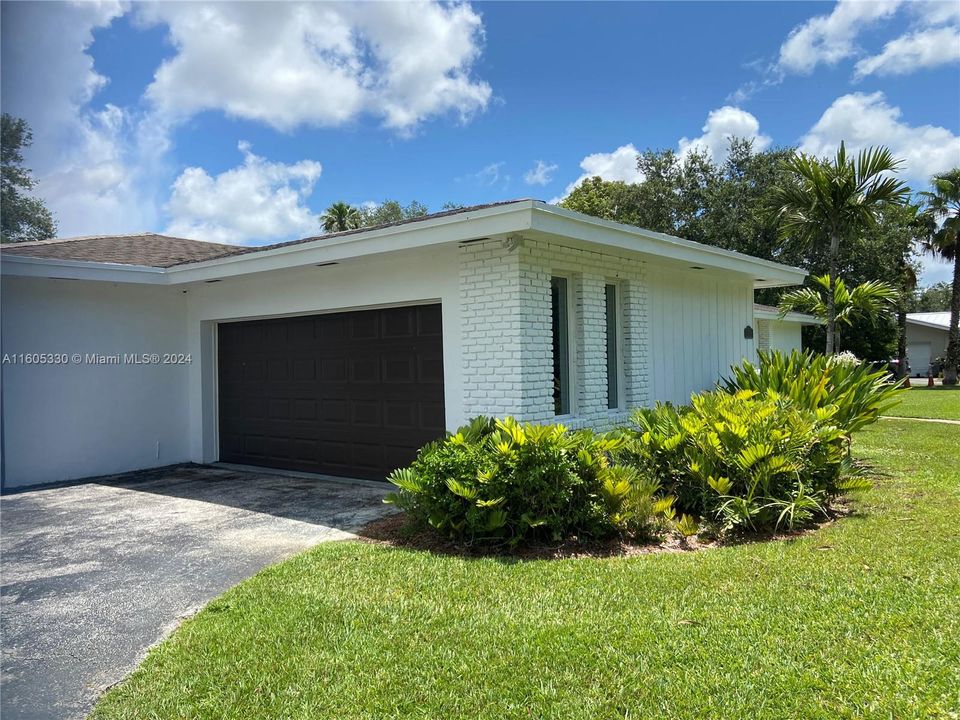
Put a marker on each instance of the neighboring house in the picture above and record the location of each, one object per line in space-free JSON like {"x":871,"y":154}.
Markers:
{"x":780,"y":333}
{"x":927,"y":335}
{"x":342,"y":354}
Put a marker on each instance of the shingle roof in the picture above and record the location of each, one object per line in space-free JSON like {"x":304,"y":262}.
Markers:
{"x":163,"y":251}
{"x":148,"y":249}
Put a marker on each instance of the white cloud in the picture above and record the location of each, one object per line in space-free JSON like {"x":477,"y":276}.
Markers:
{"x":862,"y":120}
{"x":489,"y":176}
{"x":934,"y":270}
{"x":913,"y":51}
{"x":256,"y":202}
{"x":324,"y":64}
{"x":723,"y":124}
{"x":81,"y":158}
{"x":828,"y":39}
{"x":621,"y":164}
{"x":540,"y":174}
{"x":936,"y":12}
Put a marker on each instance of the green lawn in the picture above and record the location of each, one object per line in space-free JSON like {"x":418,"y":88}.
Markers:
{"x":858,"y":619}
{"x":936,"y":402}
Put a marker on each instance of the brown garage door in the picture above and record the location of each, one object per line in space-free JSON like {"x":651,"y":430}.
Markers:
{"x":352,"y":394}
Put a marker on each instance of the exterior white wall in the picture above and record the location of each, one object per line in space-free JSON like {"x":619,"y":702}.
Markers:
{"x":75,"y":420}
{"x":697,"y":322}
{"x":404,"y":277}
{"x":779,"y":335}
{"x":919,"y":335}
{"x":681,"y":330}
{"x":508,"y":334}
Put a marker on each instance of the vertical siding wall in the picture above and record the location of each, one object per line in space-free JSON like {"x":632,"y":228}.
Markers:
{"x":508,"y":335}
{"x":697,"y":330}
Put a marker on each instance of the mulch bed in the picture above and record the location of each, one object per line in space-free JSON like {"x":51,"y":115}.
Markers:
{"x":396,"y":530}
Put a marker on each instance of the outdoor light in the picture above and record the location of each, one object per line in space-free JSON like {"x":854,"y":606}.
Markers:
{"x":748,"y":333}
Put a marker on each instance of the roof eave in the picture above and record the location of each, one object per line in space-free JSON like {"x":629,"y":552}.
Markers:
{"x":801,"y":318}
{"x":559,"y":221}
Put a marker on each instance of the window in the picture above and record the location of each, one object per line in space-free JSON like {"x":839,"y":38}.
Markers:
{"x":613,"y":347}
{"x":561,"y":345}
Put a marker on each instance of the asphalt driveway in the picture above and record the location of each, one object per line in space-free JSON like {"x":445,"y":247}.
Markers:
{"x":95,"y":573}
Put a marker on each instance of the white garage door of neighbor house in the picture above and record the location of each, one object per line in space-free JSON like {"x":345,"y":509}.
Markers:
{"x":919,"y":356}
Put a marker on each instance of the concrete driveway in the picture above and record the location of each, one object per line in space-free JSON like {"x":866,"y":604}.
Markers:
{"x":95,"y":573}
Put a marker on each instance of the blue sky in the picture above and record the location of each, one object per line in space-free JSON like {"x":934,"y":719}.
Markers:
{"x":240,"y":122}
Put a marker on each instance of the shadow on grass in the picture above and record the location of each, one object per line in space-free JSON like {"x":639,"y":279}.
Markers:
{"x":400,"y":531}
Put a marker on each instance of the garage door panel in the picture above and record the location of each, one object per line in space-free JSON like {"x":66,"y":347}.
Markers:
{"x":398,"y":368}
{"x":345,"y":394}
{"x":432,"y":416}
{"x":429,"y":324}
{"x":365,"y":413}
{"x":364,"y":326}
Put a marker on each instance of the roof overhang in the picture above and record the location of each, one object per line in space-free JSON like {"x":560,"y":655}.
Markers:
{"x":793,"y":317}
{"x":512,"y":218}
{"x":926,"y":324}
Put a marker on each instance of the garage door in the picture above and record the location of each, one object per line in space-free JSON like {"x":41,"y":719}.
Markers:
{"x":352,"y":394}
{"x":919,"y":356}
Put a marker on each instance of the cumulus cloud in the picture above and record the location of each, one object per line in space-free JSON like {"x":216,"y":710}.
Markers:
{"x":322,"y":64}
{"x":913,"y":51}
{"x":621,"y":164}
{"x":828,"y":39}
{"x":540,"y":174}
{"x":80,"y":157}
{"x":862,"y":120}
{"x":254,"y":203}
{"x":723,"y":124}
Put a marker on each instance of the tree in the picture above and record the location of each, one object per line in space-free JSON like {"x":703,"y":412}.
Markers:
{"x":868,"y":301}
{"x":942,"y":210}
{"x":825,"y":203}
{"x":391,"y":211}
{"x":22,"y":218}
{"x":935,"y":298}
{"x":340,"y":216}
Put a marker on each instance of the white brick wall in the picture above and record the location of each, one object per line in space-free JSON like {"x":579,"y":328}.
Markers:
{"x":508,"y":338}
{"x":763,"y":335}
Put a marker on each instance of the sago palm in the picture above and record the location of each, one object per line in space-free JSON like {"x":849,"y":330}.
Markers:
{"x":339,"y":217}
{"x":868,"y":300}
{"x":942,"y":207}
{"x":827,"y":202}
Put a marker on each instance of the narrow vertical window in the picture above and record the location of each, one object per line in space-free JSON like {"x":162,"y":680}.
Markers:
{"x":613,"y":348}
{"x":561,"y":346}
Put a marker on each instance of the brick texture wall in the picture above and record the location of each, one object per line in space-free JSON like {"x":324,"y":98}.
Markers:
{"x":763,"y":335}
{"x":508,"y":337}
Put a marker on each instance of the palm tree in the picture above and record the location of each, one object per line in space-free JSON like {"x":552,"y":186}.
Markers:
{"x":942,"y":208}
{"x":868,"y":300}
{"x":827,"y":202}
{"x":908,"y":286}
{"x":339,"y":217}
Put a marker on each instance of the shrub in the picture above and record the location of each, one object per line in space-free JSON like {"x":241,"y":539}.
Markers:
{"x":499,"y":481}
{"x":815,"y":382}
{"x":743,"y":459}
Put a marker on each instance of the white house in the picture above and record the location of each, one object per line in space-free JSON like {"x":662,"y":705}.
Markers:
{"x":780,"y":333}
{"x":927,"y":335}
{"x":341,"y":354}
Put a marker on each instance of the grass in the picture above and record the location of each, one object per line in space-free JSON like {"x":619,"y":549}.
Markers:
{"x":857,"y":619}
{"x":936,"y":402}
